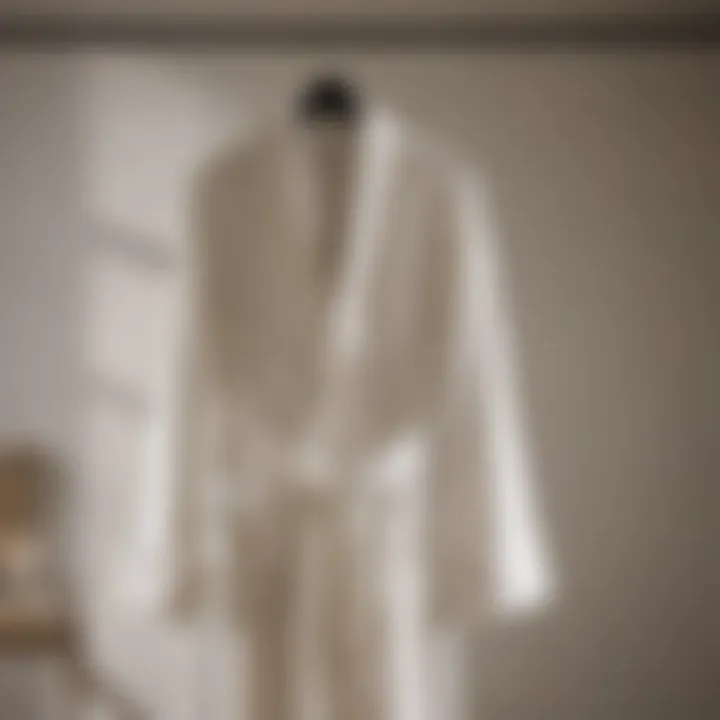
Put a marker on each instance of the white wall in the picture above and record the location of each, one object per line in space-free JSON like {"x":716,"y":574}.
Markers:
{"x":605,"y":172}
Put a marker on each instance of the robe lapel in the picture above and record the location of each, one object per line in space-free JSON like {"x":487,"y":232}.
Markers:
{"x":347,"y":320}
{"x":369,"y":186}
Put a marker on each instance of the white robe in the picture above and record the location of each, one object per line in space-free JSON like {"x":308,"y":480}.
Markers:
{"x":347,"y":382}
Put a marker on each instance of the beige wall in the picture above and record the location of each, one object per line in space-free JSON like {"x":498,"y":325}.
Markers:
{"x":605,"y":172}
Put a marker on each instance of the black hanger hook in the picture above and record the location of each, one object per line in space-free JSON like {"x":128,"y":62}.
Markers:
{"x":330,"y":98}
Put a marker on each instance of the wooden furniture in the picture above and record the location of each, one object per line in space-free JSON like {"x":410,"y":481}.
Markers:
{"x":36,"y":610}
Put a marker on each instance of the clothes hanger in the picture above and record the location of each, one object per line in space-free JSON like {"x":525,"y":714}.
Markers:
{"x":329,"y":98}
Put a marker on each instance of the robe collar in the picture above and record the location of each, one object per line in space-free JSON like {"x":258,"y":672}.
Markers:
{"x":371,"y":170}
{"x":347,"y":336}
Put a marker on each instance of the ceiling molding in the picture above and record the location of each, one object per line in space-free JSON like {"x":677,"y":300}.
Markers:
{"x":541,"y":33}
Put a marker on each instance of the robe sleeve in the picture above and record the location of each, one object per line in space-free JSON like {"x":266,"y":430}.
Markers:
{"x":490,"y":556}
{"x":163,"y":572}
